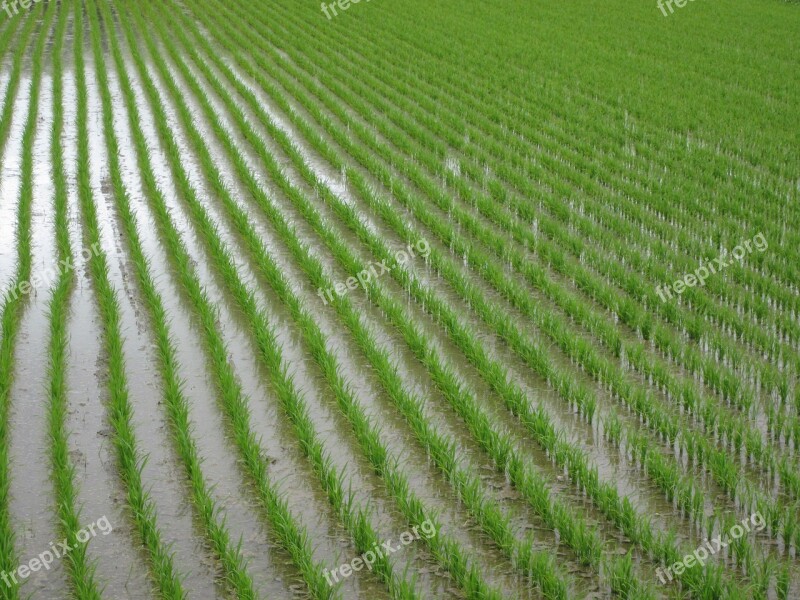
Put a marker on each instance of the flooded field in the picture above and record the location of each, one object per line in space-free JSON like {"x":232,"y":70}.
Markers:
{"x":399,"y":300}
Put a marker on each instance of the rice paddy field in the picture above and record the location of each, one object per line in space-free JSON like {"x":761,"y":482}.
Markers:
{"x":379,"y":299}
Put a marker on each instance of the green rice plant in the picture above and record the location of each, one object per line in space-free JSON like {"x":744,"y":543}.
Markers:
{"x":140,"y":503}
{"x":782,"y":583}
{"x":665,"y":549}
{"x":174,"y":396}
{"x":81,"y":570}
{"x":460,"y":83}
{"x":521,"y":116}
{"x":623,"y":579}
{"x":13,"y":304}
{"x":16,"y":66}
{"x":711,"y":414}
{"x":290,"y":536}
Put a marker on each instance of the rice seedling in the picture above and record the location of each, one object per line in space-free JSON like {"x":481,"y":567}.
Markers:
{"x":291,"y":536}
{"x":723,"y":470}
{"x":712,"y":416}
{"x":584,"y":548}
{"x":355,"y":520}
{"x":417,"y":133}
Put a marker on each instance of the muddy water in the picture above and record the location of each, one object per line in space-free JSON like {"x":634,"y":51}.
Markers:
{"x":679,"y":371}
{"x":31,"y":505}
{"x":660,"y":216}
{"x":419,"y":384}
{"x":578,"y":433}
{"x":579,"y":436}
{"x":760,"y":421}
{"x":9,"y":184}
{"x":218,"y":456}
{"x":358,"y":373}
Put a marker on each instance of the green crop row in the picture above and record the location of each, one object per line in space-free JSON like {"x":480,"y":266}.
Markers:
{"x":13,"y":304}
{"x":80,"y":568}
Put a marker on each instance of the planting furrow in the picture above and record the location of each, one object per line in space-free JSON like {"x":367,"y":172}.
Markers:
{"x":120,"y":565}
{"x":444,"y":423}
{"x":7,"y":256}
{"x":235,"y":502}
{"x":292,"y":538}
{"x":13,"y":304}
{"x":11,"y":126}
{"x":276,"y":436}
